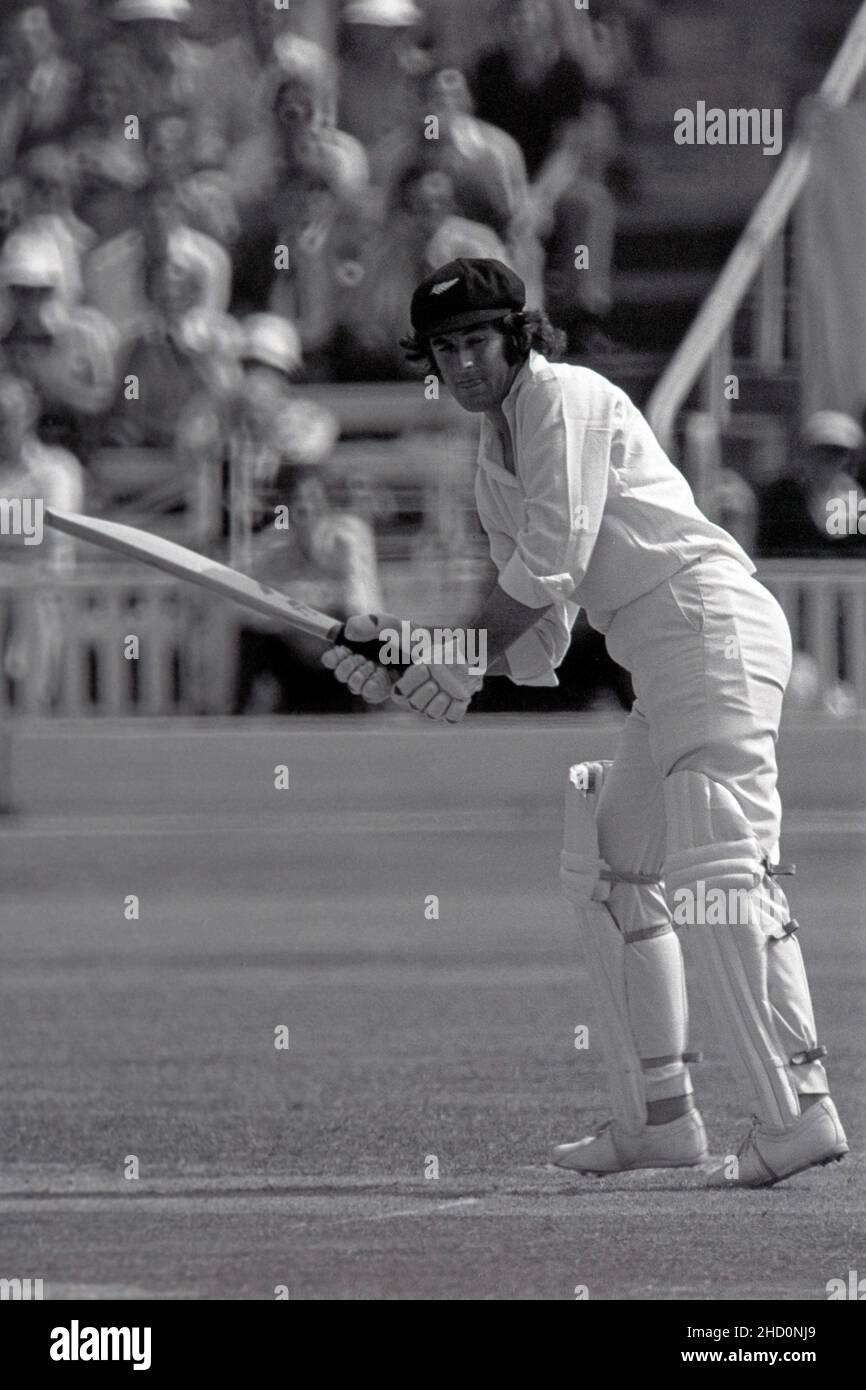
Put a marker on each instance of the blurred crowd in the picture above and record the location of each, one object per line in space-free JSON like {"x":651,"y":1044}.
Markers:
{"x":201,"y":210}
{"x":156,"y":189}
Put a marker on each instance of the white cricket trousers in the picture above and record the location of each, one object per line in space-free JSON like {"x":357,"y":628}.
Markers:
{"x":709,"y":653}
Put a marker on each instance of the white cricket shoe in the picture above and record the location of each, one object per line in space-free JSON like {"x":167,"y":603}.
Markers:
{"x":768,"y":1155}
{"x":680,"y":1143}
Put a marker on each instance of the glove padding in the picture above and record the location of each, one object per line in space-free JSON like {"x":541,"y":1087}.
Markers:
{"x":442,"y":692}
{"x":365,"y":678}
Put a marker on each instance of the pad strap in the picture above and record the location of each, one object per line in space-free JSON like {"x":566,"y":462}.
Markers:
{"x":812,"y":1054}
{"x":690,"y":1058}
{"x":780,"y":870}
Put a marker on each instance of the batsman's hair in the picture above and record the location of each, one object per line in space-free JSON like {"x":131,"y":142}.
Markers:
{"x":523,"y":331}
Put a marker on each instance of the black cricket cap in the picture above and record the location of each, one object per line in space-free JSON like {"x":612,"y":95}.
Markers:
{"x":463,"y":292}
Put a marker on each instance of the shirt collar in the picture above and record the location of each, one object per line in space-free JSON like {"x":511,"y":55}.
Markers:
{"x":533,"y":362}
{"x":490,"y":451}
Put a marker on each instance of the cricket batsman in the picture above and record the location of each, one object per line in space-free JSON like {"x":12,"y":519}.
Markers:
{"x":583,"y":509}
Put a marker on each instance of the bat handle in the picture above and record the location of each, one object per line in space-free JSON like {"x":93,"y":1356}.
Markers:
{"x":369,"y":649}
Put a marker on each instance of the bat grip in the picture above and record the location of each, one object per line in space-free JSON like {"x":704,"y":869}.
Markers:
{"x":369,"y":649}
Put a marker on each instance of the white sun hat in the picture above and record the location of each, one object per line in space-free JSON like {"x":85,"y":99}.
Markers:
{"x":177,"y":10}
{"x":832,"y":427}
{"x":387,"y":13}
{"x":273,"y":341}
{"x":32,"y":261}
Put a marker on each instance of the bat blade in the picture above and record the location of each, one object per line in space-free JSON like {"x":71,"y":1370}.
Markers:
{"x":187,"y":564}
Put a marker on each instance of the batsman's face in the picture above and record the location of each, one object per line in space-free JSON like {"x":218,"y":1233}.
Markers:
{"x":474,"y":367}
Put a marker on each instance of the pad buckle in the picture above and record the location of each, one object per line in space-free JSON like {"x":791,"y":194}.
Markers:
{"x":789,"y":929}
{"x":812,"y":1054}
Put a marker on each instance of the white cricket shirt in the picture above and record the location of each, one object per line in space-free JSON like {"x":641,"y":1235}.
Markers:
{"x":595,"y":516}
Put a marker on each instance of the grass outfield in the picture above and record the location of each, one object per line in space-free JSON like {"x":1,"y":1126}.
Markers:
{"x":409,"y":1040}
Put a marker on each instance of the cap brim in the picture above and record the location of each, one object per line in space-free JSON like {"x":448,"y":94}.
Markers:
{"x":467,"y":320}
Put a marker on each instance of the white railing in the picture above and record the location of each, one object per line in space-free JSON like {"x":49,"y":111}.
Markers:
{"x":187,"y":639}
{"x":825,"y":604}
{"x":73,"y":654}
{"x":705,"y":356}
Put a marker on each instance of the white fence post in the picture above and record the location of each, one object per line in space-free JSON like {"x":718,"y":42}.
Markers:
{"x":185,"y":651}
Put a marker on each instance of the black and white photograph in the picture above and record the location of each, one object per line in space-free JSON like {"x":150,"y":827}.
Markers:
{"x":432,"y":665}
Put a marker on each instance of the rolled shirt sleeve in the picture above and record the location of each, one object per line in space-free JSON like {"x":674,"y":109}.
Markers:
{"x":533,"y":658}
{"x":564,"y":463}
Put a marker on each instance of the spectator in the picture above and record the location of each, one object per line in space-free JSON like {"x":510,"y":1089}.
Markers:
{"x":271,"y":358}
{"x":162,"y":194}
{"x":799,"y":513}
{"x":274,"y":416}
{"x":327,"y":559}
{"x":485,"y":164}
{"x":267,"y":23}
{"x":110,"y":168}
{"x":238,"y":96}
{"x":609,"y":41}
{"x":249,"y":427}
{"x":39,"y":85}
{"x":421,"y":230}
{"x":527,"y":84}
{"x":574,"y":209}
{"x":49,"y":212}
{"x":379,"y":63}
{"x":330,"y":556}
{"x":167,"y":151}
{"x":299,"y":184}
{"x":188,"y":287}
{"x":366,"y":496}
{"x":111,"y":174}
{"x":182,"y":195}
{"x":172,"y":73}
{"x":32,"y":620}
{"x":436,"y":231}
{"x":67,"y":352}
{"x":299,"y":92}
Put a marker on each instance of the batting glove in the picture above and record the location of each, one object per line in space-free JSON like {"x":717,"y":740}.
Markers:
{"x":363,"y":677}
{"x":443,"y":691}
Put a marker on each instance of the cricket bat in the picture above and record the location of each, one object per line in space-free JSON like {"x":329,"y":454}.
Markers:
{"x":183,"y":563}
